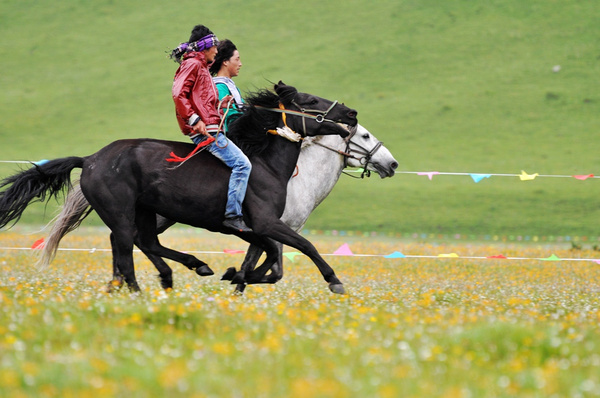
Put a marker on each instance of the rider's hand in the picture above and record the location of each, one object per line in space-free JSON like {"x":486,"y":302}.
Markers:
{"x":226,"y":100}
{"x":200,"y":128}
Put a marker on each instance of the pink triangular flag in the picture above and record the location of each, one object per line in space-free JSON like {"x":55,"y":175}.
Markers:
{"x":429,"y":174}
{"x":344,"y":250}
{"x":584,"y":177}
{"x":38,"y":244}
{"x":231,"y":251}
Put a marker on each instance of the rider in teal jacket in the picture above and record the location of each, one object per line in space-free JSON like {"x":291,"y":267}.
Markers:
{"x":227,"y":65}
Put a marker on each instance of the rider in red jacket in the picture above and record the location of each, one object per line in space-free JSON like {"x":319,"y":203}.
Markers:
{"x":196,"y":106}
{"x":194,"y":93}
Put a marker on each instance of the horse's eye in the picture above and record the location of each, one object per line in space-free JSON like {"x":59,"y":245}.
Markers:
{"x":313,"y":102}
{"x":366,"y":136}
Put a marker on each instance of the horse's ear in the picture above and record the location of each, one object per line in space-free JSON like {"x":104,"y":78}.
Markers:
{"x":277,"y":86}
{"x":286,"y":93}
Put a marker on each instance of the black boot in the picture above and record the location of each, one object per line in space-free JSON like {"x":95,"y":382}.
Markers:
{"x":236,"y":223}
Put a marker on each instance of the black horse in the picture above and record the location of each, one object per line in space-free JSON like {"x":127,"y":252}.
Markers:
{"x":129,"y":182}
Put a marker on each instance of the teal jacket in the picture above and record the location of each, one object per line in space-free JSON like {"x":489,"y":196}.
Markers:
{"x":234,"y":111}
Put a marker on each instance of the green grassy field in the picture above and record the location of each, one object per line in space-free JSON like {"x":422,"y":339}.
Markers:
{"x":413,"y":327}
{"x":456,"y":86}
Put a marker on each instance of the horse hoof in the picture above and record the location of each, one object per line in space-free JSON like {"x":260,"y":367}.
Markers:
{"x":239,"y":289}
{"x":337,"y":288}
{"x":204,"y":271}
{"x":166,"y":285}
{"x":229,"y":274}
{"x":114,"y":285}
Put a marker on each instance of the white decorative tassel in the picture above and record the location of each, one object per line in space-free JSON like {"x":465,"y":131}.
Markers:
{"x":288,"y":134}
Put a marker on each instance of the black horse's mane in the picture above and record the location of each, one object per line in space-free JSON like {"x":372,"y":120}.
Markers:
{"x":249,"y":130}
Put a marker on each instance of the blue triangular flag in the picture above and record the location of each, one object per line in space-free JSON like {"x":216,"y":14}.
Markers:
{"x":479,"y":177}
{"x":395,"y":255}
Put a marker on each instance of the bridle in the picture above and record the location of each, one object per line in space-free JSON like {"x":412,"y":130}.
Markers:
{"x":348,"y":153}
{"x":320,"y":117}
{"x":317,"y":115}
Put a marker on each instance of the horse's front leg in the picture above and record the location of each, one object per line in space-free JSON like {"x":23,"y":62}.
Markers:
{"x":246,"y":274}
{"x":247,"y":268}
{"x":279,"y":231}
{"x":260,"y":274}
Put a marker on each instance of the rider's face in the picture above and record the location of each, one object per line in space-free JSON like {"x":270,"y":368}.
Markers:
{"x":210,"y":54}
{"x":234,"y":64}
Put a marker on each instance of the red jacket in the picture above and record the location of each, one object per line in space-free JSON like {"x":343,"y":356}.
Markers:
{"x":194,"y":92}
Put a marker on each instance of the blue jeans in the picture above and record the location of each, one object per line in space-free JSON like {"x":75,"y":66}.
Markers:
{"x":240,"y":166}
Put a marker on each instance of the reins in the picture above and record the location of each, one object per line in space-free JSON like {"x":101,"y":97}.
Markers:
{"x":303,"y":113}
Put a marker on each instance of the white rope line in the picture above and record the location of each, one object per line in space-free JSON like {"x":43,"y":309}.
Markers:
{"x":479,"y":176}
{"x":430,"y":174}
{"x":396,"y":255}
{"x":20,"y":161}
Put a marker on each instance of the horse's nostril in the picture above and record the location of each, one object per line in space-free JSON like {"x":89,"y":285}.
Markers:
{"x":394,"y":165}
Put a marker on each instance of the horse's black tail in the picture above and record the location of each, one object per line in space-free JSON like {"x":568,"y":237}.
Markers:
{"x":35,"y":185}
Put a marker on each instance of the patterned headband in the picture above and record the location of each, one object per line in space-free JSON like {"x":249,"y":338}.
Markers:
{"x":203,"y":44}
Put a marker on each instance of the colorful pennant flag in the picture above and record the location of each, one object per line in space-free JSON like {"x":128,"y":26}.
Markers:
{"x":479,"y":177}
{"x":395,"y":254}
{"x":291,"y":255}
{"x":38,"y":244}
{"x":527,"y":177}
{"x":344,"y":250}
{"x":429,"y":174}
{"x":553,"y":257}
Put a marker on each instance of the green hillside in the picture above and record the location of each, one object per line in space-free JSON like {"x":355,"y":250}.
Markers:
{"x":459,"y":86}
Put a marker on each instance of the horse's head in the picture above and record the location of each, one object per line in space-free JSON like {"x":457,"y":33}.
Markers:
{"x":368,"y":152}
{"x":315,"y":115}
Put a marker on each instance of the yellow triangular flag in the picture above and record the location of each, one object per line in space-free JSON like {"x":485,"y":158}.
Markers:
{"x":449,"y":255}
{"x":527,"y":177}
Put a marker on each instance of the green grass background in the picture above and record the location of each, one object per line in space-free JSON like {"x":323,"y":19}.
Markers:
{"x":458,"y":86}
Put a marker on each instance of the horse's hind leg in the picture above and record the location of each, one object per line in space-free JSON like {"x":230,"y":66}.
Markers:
{"x":165,"y":272}
{"x":121,"y":224}
{"x":147,"y":241}
{"x":117,"y":278}
{"x":122,"y":249}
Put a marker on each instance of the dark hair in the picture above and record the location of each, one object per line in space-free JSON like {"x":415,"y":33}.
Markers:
{"x":226,"y":49}
{"x":198,"y":32}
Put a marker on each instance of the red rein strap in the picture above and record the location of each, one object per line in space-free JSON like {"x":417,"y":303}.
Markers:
{"x":175,"y":158}
{"x":208,"y":141}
